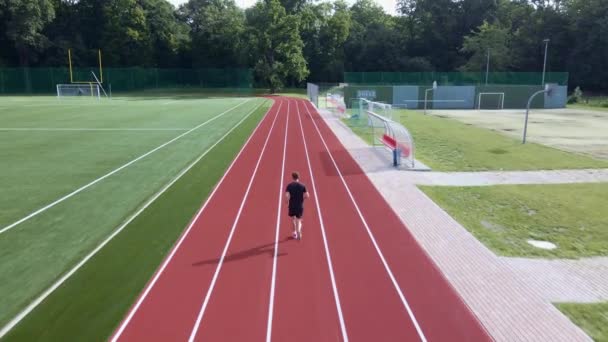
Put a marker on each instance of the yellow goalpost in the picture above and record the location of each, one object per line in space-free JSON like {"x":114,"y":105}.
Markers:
{"x":90,"y":83}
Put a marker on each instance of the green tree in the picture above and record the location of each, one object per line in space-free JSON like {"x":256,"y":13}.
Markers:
{"x":217,"y":30}
{"x":165,"y":33}
{"x":372,"y":38}
{"x":324,"y":28}
{"x":23,"y":22}
{"x":276,"y":44}
{"x":490,"y":37}
{"x":588,"y":58}
{"x":125,"y":35}
{"x":437,"y":27}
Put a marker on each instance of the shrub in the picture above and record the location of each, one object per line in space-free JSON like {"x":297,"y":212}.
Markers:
{"x":576,"y":96}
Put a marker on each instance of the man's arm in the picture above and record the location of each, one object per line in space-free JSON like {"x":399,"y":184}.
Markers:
{"x":306,"y":194}
{"x":287,"y":196}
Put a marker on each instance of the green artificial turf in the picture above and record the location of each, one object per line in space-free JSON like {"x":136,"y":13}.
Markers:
{"x":449,"y":145}
{"x":592,"y":318}
{"x":43,"y":166}
{"x":504,"y":217}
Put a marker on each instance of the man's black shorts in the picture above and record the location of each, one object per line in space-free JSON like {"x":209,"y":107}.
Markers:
{"x":297,"y":212}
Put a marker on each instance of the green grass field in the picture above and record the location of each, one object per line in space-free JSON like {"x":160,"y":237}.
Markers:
{"x":449,"y":145}
{"x":599,"y":103}
{"x":51,"y":148}
{"x":593,"y":318}
{"x":504,"y":217}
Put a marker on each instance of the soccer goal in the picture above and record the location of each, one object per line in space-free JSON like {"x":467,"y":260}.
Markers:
{"x":80,"y":89}
{"x":383,"y":109}
{"x":497,"y":100}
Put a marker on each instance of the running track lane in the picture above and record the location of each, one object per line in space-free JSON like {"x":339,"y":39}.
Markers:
{"x":237,"y":310}
{"x":168,"y":307}
{"x":439,"y":310}
{"x":305,"y":306}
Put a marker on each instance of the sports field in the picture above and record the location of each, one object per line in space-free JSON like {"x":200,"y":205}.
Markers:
{"x":73,"y":171}
{"x":234,"y":264}
{"x":579,"y":130}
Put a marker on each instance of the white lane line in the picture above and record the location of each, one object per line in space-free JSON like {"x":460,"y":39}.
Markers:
{"x":371,"y":236}
{"x":168,"y":259}
{"x":85,"y":129}
{"x":334,"y":286}
{"x":65,"y":277}
{"x":232,"y":230}
{"x":276,"y":237}
{"x":48,"y":206}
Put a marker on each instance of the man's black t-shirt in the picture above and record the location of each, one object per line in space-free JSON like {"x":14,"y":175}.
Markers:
{"x":296,"y":195}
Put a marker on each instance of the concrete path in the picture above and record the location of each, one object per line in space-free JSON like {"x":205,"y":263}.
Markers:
{"x":496,"y":292}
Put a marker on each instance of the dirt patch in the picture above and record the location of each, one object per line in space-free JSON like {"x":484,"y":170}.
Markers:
{"x":498,"y":151}
{"x":492,"y":226}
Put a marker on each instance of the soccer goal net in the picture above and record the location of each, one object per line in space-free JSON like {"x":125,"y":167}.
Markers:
{"x":491,"y":101}
{"x":81,"y":89}
{"x":383,"y":109}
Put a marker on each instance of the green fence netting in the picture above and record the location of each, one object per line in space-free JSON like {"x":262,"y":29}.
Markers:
{"x":44,"y":80}
{"x":455,"y":78}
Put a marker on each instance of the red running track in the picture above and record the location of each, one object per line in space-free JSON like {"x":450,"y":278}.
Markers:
{"x":357,"y":274}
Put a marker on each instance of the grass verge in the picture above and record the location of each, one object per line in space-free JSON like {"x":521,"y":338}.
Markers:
{"x":592,"y":318}
{"x":504,"y":217}
{"x":93,"y":301}
{"x":597,"y":108}
{"x":449,"y":145}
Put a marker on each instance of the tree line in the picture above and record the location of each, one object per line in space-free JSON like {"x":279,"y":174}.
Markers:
{"x":287,"y":42}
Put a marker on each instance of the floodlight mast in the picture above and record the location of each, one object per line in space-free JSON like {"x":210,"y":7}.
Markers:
{"x":546,"y":41}
{"x":488,"y":66}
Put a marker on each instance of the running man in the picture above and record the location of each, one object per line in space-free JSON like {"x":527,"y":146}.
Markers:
{"x":295,"y":195}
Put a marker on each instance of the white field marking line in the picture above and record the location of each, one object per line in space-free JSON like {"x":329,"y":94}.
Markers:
{"x":61,"y":280}
{"x":232,"y":230}
{"x":276,"y":237}
{"x":371,"y":236}
{"x":158,"y":273}
{"x":66,"y":129}
{"x":48,"y":206}
{"x":334,"y":286}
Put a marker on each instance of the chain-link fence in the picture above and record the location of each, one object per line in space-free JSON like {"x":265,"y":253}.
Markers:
{"x":44,"y":80}
{"x":456,"y":78}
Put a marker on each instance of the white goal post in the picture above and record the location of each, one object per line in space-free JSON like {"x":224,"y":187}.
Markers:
{"x":501,"y":99}
{"x":79,"y":89}
{"x":379,"y":108}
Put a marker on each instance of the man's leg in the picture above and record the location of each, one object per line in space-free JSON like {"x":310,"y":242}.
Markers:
{"x":300,"y":227}
{"x":294,"y":221}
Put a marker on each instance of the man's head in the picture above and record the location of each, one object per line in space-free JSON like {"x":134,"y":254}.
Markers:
{"x":295,"y":176}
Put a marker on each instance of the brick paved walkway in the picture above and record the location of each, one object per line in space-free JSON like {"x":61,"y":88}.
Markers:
{"x":509,"y":177}
{"x":579,"y":281}
{"x":495,"y":291}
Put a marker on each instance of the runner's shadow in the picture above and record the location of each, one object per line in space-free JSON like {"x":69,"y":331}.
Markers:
{"x":248,"y":253}
{"x":344,"y":161}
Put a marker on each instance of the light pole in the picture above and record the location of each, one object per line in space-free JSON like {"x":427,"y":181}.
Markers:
{"x":549,"y":91}
{"x":426,"y":92}
{"x":488,"y":66}
{"x":546,"y":41}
